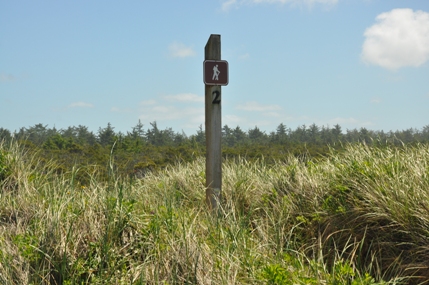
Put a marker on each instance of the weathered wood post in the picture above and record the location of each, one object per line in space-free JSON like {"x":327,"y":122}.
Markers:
{"x":215,"y":75}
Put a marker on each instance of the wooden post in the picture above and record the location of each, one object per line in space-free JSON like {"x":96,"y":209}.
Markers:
{"x":213,"y":130}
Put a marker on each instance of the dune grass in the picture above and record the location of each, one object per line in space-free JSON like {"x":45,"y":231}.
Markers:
{"x":356,"y":217}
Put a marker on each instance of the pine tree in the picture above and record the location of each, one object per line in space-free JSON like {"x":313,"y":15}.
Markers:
{"x":106,"y":136}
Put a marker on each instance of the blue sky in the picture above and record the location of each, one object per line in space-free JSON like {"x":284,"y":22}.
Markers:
{"x":358,"y":63}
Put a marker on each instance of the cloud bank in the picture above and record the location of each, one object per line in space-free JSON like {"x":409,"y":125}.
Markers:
{"x":399,"y":38}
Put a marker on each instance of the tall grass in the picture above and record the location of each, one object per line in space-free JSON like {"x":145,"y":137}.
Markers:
{"x":359,"y":217}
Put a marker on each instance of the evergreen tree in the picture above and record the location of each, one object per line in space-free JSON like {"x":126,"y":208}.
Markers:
{"x":138,"y":131}
{"x":106,"y":136}
{"x":84,"y":136}
{"x":37,"y":134}
{"x":352,"y":135}
{"x":300,"y":134}
{"x":158,"y":137}
{"x":153,"y":134}
{"x":55,"y":142}
{"x":168,"y":136}
{"x":228,"y":138}
{"x":406,"y":136}
{"x":256,"y":136}
{"x":313,"y":134}
{"x":281,"y":134}
{"x":5,"y":135}
{"x":70,"y":132}
{"x":180,"y":138}
{"x":201,"y":136}
{"x":364,"y":135}
{"x":425,"y":133}
{"x":337,"y":132}
{"x":240,"y":136}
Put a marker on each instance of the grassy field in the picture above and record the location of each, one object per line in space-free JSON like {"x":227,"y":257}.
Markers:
{"x":356,"y":217}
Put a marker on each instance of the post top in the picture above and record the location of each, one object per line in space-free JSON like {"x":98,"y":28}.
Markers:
{"x":212,"y":48}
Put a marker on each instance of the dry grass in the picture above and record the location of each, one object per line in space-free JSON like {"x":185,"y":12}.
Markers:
{"x":359,"y":217}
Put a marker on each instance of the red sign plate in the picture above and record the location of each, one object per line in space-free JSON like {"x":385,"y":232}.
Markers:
{"x":215,"y":72}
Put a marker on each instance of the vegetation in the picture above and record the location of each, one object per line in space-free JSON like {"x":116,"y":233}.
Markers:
{"x":142,"y":150}
{"x":357,"y":213}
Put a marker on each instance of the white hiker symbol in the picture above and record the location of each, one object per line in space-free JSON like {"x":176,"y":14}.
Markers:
{"x":215,"y":73}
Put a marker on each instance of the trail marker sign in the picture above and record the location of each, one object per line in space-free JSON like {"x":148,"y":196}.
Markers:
{"x":215,"y":72}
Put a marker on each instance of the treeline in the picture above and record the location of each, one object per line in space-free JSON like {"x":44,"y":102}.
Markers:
{"x":51,"y":138}
{"x":142,"y":149}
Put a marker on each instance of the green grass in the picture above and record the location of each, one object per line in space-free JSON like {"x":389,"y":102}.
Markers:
{"x":356,"y":217}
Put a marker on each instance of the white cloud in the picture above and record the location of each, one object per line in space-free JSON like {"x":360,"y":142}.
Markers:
{"x":376,"y":100}
{"x":7,"y":77}
{"x":273,"y":114}
{"x":121,"y":110}
{"x":255,"y":106}
{"x":228,"y":4}
{"x":180,"y":50}
{"x":399,"y":38}
{"x":186,"y":110}
{"x":233,"y":120}
{"x":306,"y":2}
{"x":185,"y":97}
{"x":348,"y":122}
{"x":80,"y":105}
{"x":148,"y":102}
{"x":163,"y":113}
{"x":245,"y":56}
